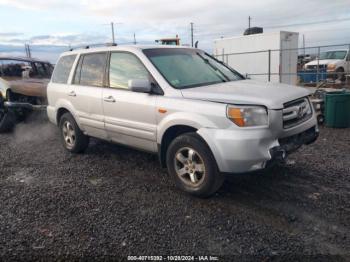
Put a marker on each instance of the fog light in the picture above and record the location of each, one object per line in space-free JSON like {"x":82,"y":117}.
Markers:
{"x":258,"y":166}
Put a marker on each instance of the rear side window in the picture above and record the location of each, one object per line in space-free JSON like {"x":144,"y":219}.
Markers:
{"x":41,"y":70}
{"x":90,"y":70}
{"x":62,"y":69}
{"x":14,"y":68}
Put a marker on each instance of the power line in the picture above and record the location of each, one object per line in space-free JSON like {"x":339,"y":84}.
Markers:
{"x":310,"y":23}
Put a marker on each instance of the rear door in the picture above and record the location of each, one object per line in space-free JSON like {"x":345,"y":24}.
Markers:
{"x":59,"y":87}
{"x":130,"y":117}
{"x":86,"y":93}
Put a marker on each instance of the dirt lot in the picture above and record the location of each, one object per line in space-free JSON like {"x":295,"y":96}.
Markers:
{"x":115,"y":201}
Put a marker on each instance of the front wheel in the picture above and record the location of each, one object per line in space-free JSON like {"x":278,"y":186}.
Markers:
{"x":192,"y":165}
{"x":72,"y":137}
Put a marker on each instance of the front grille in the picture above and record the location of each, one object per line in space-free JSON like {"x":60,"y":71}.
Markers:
{"x":296,"y":112}
{"x":314,"y":67}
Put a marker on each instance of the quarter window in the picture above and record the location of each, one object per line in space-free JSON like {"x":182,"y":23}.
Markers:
{"x":125,"y":67}
{"x":90,"y":71}
{"x":62,"y":69}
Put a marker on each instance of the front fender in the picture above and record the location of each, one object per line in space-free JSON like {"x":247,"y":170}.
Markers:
{"x":194,"y":120}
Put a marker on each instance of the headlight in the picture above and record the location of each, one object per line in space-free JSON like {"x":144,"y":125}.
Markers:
{"x":331,"y":67}
{"x":248,"y":116}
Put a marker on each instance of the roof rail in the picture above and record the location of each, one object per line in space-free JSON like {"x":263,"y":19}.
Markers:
{"x":92,"y":45}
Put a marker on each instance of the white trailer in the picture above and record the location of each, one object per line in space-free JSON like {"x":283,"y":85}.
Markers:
{"x":250,"y":55}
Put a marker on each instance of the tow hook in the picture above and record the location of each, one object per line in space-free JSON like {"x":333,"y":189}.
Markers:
{"x":278,"y":154}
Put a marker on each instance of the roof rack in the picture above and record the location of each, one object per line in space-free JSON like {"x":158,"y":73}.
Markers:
{"x":92,"y":45}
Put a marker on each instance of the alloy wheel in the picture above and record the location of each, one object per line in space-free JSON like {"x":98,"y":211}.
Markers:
{"x":68,"y":134}
{"x":189,"y":166}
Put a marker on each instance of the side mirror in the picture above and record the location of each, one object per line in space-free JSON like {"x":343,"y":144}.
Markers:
{"x":140,"y":85}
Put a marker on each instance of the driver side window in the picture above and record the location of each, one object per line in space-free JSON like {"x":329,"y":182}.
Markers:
{"x":125,"y":67}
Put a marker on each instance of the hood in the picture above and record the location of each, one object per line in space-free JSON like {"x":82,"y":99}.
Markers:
{"x":323,"y":62}
{"x":248,"y":92}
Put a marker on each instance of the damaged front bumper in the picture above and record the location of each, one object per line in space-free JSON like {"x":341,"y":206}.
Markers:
{"x":239,"y":150}
{"x":290,"y":144}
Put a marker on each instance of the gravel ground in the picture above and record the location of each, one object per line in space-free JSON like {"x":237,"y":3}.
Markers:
{"x":113,"y":202}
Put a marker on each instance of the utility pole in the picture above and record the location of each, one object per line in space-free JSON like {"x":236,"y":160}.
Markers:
{"x":27,"y":49}
{"x":192,"y":34}
{"x":113,"y":40}
{"x":249,"y":19}
{"x":135,"y":39}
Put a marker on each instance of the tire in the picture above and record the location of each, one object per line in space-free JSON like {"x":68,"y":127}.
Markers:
{"x":72,"y":137}
{"x":197,"y":175}
{"x":7,"y":120}
{"x":320,"y":119}
{"x":340,"y":74}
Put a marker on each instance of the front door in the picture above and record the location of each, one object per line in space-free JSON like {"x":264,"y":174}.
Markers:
{"x":130,"y":117}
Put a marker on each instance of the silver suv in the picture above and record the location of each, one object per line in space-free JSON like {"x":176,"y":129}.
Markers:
{"x":200,"y":116}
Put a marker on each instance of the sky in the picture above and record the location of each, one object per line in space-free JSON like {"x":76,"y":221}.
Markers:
{"x":52,"y":26}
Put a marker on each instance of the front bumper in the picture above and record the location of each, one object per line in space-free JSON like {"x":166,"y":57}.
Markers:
{"x":20,"y":105}
{"x":240,"y":150}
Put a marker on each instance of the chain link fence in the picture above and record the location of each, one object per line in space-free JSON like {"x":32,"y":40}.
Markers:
{"x":303,"y":66}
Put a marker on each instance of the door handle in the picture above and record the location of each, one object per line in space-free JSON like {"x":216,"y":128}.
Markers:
{"x":72,"y":93}
{"x":109,"y":99}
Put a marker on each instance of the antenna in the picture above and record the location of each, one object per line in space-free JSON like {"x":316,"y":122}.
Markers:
{"x":135,"y":39}
{"x":112,"y":24}
{"x":192,"y":34}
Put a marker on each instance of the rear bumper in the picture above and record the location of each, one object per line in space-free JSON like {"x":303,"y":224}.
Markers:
{"x":52,"y":114}
{"x":245,"y":150}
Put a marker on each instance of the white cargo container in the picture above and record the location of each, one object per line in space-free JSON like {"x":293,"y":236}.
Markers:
{"x":250,"y":55}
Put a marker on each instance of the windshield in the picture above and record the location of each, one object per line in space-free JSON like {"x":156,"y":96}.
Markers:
{"x":186,"y":68}
{"x":333,"y":55}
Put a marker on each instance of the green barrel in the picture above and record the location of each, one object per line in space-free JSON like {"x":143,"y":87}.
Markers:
{"x":337,"y":109}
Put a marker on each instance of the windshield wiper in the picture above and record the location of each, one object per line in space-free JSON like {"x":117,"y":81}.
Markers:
{"x":217,"y":70}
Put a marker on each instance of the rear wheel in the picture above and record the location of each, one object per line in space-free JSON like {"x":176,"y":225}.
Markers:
{"x":7,"y":120}
{"x":192,"y":165}
{"x":72,"y":137}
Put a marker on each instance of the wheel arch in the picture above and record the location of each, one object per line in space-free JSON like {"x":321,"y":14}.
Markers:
{"x":61,"y":107}
{"x":178,"y":124}
{"x":62,"y":110}
{"x":169,"y":135}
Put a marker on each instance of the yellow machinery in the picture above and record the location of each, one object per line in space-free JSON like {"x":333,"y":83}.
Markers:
{"x":169,"y":41}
